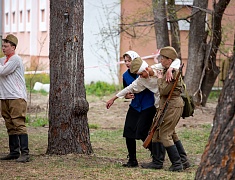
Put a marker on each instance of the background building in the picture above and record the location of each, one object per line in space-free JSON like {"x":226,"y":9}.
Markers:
{"x":29,"y":21}
{"x":103,"y":49}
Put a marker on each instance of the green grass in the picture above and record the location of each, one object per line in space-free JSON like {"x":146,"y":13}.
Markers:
{"x":101,"y":88}
{"x":109,"y":151}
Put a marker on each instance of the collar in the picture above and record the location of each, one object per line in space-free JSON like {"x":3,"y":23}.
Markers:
{"x":8,"y":57}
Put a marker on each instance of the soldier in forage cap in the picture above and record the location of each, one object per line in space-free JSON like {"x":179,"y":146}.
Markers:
{"x":13,"y":97}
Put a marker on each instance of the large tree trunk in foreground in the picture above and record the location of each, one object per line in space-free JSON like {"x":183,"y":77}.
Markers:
{"x":218,"y":160}
{"x":68,"y":124}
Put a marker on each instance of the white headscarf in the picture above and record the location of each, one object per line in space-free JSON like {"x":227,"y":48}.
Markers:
{"x":132,"y":54}
{"x":143,"y":66}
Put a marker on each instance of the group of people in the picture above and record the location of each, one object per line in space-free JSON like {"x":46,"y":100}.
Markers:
{"x":149,"y":87}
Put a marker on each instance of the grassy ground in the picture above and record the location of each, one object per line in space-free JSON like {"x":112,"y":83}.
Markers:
{"x":106,"y":128}
{"x":109,"y":152}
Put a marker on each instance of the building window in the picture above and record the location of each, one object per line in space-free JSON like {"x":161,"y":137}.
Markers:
{"x":21,"y":17}
{"x":28,"y":16}
{"x":13,"y":18}
{"x":43,"y":15}
{"x":7,"y":19}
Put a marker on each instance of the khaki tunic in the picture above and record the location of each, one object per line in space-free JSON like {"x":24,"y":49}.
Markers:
{"x":166,"y":132}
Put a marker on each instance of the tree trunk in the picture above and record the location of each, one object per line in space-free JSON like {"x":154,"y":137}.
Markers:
{"x":218,"y":158}
{"x":202,"y":71}
{"x":212,"y":70}
{"x":175,"y":32}
{"x":197,"y":47}
{"x":160,"y":23}
{"x":68,"y":124}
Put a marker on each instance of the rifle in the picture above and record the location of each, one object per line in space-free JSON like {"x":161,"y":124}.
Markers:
{"x":160,"y":117}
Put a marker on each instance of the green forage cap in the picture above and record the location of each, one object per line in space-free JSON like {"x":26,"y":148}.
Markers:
{"x":12,"y":39}
{"x":135,"y":65}
{"x":169,"y":52}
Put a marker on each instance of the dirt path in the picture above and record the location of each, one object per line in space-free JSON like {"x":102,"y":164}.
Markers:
{"x":115,"y":116}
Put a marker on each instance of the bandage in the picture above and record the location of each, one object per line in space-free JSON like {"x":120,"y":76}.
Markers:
{"x":143,"y":67}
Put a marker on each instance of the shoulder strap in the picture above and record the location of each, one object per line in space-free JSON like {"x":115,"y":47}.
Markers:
{"x":185,"y":90}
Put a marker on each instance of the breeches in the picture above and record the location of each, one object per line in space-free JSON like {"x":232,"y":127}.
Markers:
{"x":14,"y":113}
{"x":166,"y":133}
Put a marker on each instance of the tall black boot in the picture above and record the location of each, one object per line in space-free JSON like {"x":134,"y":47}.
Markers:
{"x":174,"y":158}
{"x":23,"y":148}
{"x":131,"y":147}
{"x":158,"y":157}
{"x":182,"y":154}
{"x":14,"y":147}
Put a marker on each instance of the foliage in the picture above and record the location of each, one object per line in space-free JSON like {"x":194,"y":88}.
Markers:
{"x":39,"y":122}
{"x":101,"y":88}
{"x":214,"y":95}
{"x":31,"y":79}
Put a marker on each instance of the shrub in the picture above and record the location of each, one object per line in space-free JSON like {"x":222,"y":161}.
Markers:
{"x":31,"y":79}
{"x":101,"y":88}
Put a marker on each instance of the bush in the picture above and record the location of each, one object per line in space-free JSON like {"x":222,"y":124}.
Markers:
{"x":31,"y":79}
{"x":214,"y":94}
{"x":101,"y":88}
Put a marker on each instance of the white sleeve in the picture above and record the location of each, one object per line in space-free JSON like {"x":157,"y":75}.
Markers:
{"x":9,"y":67}
{"x":156,"y":67}
{"x":175,"y":64}
{"x":135,"y":87}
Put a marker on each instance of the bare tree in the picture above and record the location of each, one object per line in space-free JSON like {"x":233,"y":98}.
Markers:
{"x":217,"y":161}
{"x":68,"y":124}
{"x":107,"y":44}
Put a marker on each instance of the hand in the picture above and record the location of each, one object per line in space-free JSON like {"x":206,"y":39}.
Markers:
{"x":150,"y":70}
{"x":129,"y":96}
{"x":169,"y":75}
{"x":159,"y":74}
{"x":109,"y":103}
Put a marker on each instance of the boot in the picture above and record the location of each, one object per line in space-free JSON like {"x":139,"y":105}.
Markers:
{"x":182,"y":154}
{"x":23,"y":148}
{"x":158,"y":156}
{"x":174,"y":158}
{"x":131,"y":147}
{"x":14,"y":148}
{"x":132,"y":162}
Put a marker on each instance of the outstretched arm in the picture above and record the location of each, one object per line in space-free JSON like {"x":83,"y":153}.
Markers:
{"x":110,"y":102}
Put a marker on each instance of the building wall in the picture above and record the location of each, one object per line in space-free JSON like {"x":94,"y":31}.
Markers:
{"x":29,"y":21}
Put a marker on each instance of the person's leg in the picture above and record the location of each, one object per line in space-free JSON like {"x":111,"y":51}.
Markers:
{"x":145,"y":121}
{"x":23,"y":148}
{"x":12,"y":137}
{"x":158,"y":157}
{"x":130,"y":134}
{"x":166,"y":131}
{"x":18,"y":115}
{"x":183,"y":155}
{"x":131,"y":147}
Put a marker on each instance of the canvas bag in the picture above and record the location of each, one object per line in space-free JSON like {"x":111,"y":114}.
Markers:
{"x":188,"y":103}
